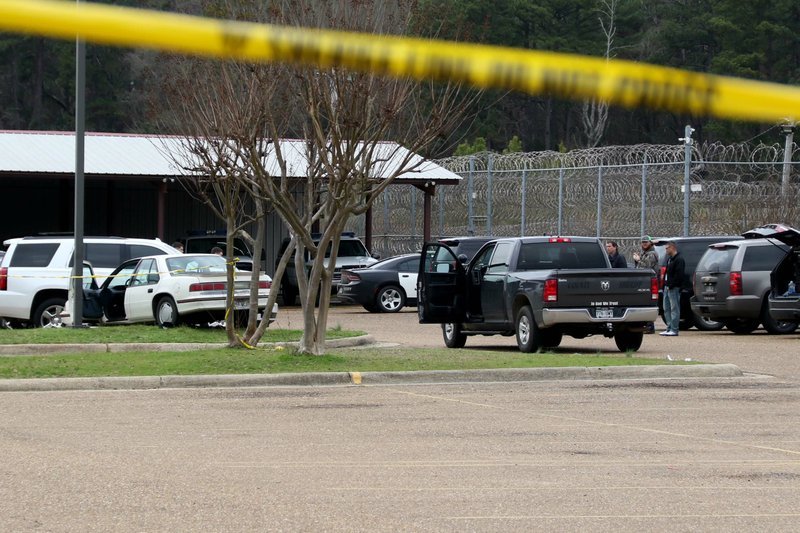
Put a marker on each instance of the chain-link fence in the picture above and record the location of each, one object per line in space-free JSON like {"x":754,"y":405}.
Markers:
{"x":617,"y":193}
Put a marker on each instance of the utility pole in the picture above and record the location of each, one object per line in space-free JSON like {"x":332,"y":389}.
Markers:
{"x":687,"y":170}
{"x":786,"y":180}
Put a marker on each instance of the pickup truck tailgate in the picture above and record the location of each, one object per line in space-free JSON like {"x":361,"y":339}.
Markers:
{"x":604,"y":288}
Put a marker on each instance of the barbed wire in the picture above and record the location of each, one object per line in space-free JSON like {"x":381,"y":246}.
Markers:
{"x":740,"y":186}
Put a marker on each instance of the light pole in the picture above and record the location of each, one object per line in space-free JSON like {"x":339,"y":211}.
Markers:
{"x":80,"y":119}
{"x":786,"y":180}
{"x":687,"y":169}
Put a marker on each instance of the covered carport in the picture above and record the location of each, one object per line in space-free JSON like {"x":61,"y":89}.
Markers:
{"x":133,"y":188}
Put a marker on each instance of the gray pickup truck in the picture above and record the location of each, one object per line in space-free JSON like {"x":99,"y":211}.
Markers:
{"x":537,"y":288}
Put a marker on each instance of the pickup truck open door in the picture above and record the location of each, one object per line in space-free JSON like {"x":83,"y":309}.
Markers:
{"x":441,"y":286}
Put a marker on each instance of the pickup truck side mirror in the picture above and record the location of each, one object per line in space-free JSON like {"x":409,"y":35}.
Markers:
{"x":375,"y":255}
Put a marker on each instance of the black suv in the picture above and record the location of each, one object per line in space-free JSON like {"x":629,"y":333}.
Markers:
{"x":352,"y":254}
{"x":465,"y":246}
{"x":203,"y":241}
{"x":691,"y":249}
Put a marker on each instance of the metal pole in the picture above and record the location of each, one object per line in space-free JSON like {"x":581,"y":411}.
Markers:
{"x":599,"y":199}
{"x":413,"y":212}
{"x":489,"y":195}
{"x":386,"y":229}
{"x":441,"y":212}
{"x":80,"y":121}
{"x":788,"y":130}
{"x":470,"y":197}
{"x":560,"y":200}
{"x":643,"y":221}
{"x":522,"y":206}
{"x":687,"y":169}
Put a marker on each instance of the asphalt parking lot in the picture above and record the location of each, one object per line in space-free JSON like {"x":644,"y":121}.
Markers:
{"x":621,"y":455}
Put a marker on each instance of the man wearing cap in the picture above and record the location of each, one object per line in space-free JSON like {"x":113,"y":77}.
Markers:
{"x":647,"y":259}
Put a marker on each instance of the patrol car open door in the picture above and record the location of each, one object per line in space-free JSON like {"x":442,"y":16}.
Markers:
{"x":441,"y":286}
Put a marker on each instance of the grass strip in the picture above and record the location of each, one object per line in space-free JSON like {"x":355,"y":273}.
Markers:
{"x":267,"y":361}
{"x":139,"y":333}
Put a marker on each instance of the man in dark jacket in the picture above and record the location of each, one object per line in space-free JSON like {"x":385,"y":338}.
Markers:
{"x":675,"y":279}
{"x":617,"y":259}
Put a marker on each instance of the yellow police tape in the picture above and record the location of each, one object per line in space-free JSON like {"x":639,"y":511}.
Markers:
{"x":619,"y":82}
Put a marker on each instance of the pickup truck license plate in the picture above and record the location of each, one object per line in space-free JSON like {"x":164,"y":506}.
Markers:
{"x":241,"y":304}
{"x":604,"y":313}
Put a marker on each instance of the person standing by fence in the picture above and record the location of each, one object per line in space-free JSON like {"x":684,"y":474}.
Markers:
{"x":647,"y":259}
{"x":617,"y":259}
{"x":675,"y":280}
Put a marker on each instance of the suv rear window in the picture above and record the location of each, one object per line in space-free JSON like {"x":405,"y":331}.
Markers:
{"x":141,"y":250}
{"x":349,"y":248}
{"x":717,"y":259}
{"x":33,"y":255}
{"x":104,"y":255}
{"x":762,"y":258}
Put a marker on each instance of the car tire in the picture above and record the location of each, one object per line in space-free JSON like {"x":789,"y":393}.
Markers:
{"x":741,"y":326}
{"x":167,"y":313}
{"x":453,"y":336}
{"x":706,"y":324}
{"x":390,"y":299}
{"x":47,"y":313}
{"x":628,"y":341}
{"x":370,"y":307}
{"x":775,"y":327}
{"x":528,"y":338}
{"x":550,"y":338}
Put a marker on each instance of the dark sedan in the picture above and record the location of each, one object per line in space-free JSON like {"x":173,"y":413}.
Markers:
{"x":384,"y":287}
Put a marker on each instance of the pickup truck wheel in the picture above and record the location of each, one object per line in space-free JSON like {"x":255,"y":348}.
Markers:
{"x":706,"y":324}
{"x":741,"y":326}
{"x":453,"y":337}
{"x":390,"y":299}
{"x":629,"y":341}
{"x":550,"y":339}
{"x":775,"y":327}
{"x":167,"y":313}
{"x":527,"y":333}
{"x":47,"y":314}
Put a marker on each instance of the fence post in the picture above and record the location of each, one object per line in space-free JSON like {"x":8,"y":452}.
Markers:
{"x":413,"y":213}
{"x":644,"y":196}
{"x":489,"y":165}
{"x":470,"y":193}
{"x":441,"y":212}
{"x":599,"y":199}
{"x":386,"y":228}
{"x":560,"y":200}
{"x":522,"y":218}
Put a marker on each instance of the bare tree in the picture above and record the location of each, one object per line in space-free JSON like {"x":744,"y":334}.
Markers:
{"x":594,"y":116}
{"x":345,"y":119}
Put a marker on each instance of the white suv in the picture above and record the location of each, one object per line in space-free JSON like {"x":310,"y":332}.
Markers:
{"x":35,"y":271}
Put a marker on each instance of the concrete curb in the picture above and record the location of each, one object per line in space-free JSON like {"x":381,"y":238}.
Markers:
{"x":373,"y":378}
{"x":13,"y":350}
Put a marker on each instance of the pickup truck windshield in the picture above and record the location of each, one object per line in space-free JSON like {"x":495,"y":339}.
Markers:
{"x":545,"y":256}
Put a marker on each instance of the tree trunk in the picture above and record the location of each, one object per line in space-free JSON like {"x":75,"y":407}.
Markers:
{"x":230,"y":315}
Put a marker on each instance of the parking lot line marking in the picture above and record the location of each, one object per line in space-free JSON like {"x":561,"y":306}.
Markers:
{"x":622,"y":516}
{"x":604,"y":424}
